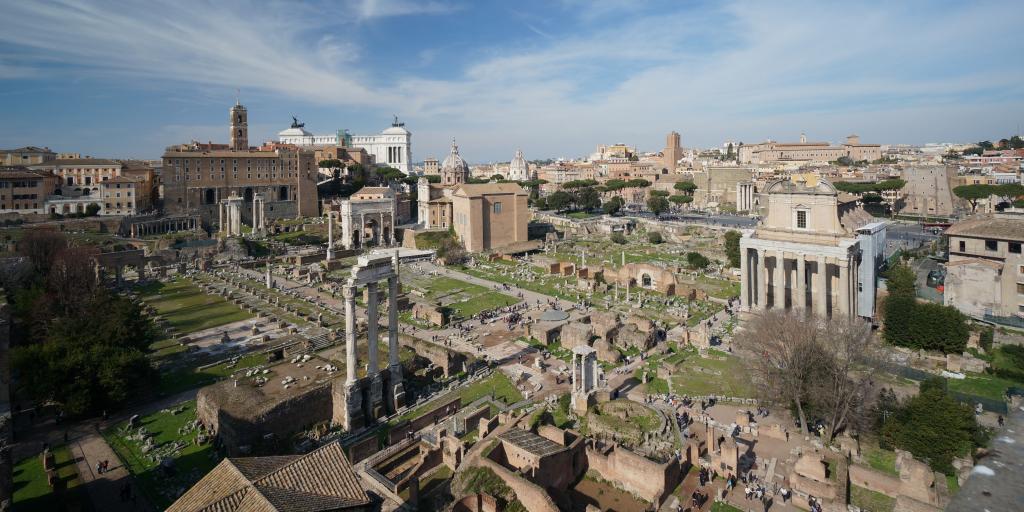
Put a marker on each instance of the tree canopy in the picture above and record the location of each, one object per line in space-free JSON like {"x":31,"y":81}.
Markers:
{"x":732,"y":247}
{"x":559,"y":200}
{"x":685,"y":186}
{"x":66,"y":324}
{"x":934,"y":427}
{"x":914,"y":324}
{"x":696,"y":260}
{"x":657,"y":205}
{"x":613,"y":205}
{"x":976,"y":192}
{"x":680,"y":200}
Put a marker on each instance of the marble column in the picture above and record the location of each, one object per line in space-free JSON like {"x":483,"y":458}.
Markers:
{"x":779,"y":284}
{"x":762,"y":280}
{"x":220,"y":217}
{"x":330,"y":236}
{"x":820,"y":295}
{"x":393,"y":323}
{"x":372,"y":324}
{"x":844,"y":288}
{"x":800,"y":293}
{"x":349,"y":292}
{"x":744,"y":279}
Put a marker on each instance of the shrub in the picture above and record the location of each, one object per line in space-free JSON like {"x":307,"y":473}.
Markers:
{"x":618,"y":238}
{"x":697,"y":260}
{"x":655,"y":237}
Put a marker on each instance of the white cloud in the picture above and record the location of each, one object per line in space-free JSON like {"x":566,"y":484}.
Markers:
{"x":742,"y":70}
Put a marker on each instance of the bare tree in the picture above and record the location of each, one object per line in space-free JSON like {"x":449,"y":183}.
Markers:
{"x":785,"y":358}
{"x":845,"y":387}
{"x":41,"y":247}
{"x":821,"y":366}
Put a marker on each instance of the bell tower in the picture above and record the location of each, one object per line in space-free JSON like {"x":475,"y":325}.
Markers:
{"x":239,"y":127}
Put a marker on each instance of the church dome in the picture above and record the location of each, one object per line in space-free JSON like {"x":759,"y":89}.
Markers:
{"x":518,"y":169}
{"x":454,"y":163}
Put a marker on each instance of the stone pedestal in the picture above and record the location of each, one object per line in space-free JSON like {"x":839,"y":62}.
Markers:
{"x":376,"y":395}
{"x":348,"y":406}
{"x":395,"y":388}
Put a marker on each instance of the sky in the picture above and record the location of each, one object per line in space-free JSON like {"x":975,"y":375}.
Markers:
{"x":552,"y":77}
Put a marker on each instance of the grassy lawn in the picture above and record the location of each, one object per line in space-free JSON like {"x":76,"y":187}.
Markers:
{"x":732,"y":378}
{"x":464,"y":299}
{"x":582,"y":215}
{"x":953,"y":484}
{"x":188,"y":378}
{"x":32,"y":492}
{"x":881,"y":460}
{"x":871,"y":501}
{"x":988,"y":386}
{"x":498,"y":383}
{"x":187,"y":308}
{"x":191,"y":462}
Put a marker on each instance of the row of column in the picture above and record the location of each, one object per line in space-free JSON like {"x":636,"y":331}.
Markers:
{"x":758,"y":281}
{"x":162,"y":226}
{"x":230,"y":217}
{"x":259,"y":214}
{"x":373,"y":321}
{"x":584,"y":371}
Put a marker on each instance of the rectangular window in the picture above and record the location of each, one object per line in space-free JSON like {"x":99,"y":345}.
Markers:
{"x":991,"y":245}
{"x":1015,"y":247}
{"x":497,"y":207}
{"x":801,"y":219}
{"x":1020,"y":288}
{"x":963,"y":246}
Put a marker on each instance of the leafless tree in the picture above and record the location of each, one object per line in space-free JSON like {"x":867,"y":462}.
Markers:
{"x":785,"y":357}
{"x":822,"y":365}
{"x":41,"y":247}
{"x":844,"y":388}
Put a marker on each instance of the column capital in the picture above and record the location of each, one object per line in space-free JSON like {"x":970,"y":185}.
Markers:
{"x":348,"y":291}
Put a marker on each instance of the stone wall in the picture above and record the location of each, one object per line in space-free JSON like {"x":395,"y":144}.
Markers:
{"x":877,"y":481}
{"x":281,"y":419}
{"x":531,"y":495}
{"x":440,"y":411}
{"x":634,"y":473}
{"x":449,"y":361}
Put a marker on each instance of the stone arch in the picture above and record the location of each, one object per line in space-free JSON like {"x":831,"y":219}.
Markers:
{"x":248,"y":194}
{"x":210,"y":196}
{"x":371,"y":231}
{"x":646,"y":281}
{"x":282,"y":193}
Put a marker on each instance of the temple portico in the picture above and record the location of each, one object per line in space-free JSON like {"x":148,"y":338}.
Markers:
{"x":585,"y":373}
{"x":366,"y":399}
{"x":803,"y":277}
{"x":805,"y":254}
{"x":230,"y":216}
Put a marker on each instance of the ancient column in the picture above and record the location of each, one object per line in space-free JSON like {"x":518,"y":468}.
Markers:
{"x":762,"y":280}
{"x":330,"y":236}
{"x":844,"y":287}
{"x":819,"y":297}
{"x":372,"y":322}
{"x":220,"y":221}
{"x":255,"y":215}
{"x":393,"y":324}
{"x":744,"y":279}
{"x":349,"y":292}
{"x":800,"y":297}
{"x":779,"y":286}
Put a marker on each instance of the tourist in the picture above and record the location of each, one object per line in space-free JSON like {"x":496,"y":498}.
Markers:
{"x":1000,"y":420}
{"x":785,"y":494}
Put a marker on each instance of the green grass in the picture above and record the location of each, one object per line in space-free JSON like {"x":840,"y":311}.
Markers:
{"x":191,"y":463}
{"x":299,"y":238}
{"x":988,"y":386}
{"x":733,"y":379}
{"x":466,"y":299}
{"x":582,"y":215}
{"x":881,"y":460}
{"x":871,"y":501}
{"x":431,"y":239}
{"x":721,"y":506}
{"x":189,"y":378}
{"x":187,"y":308}
{"x":952,"y":484}
{"x":498,"y":383}
{"x":438,"y":477}
{"x":32,"y":492}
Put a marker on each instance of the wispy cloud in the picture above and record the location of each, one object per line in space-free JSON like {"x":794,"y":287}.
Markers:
{"x":612,"y":70}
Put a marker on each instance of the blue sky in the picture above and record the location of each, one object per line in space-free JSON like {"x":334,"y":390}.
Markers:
{"x":552,"y":77}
